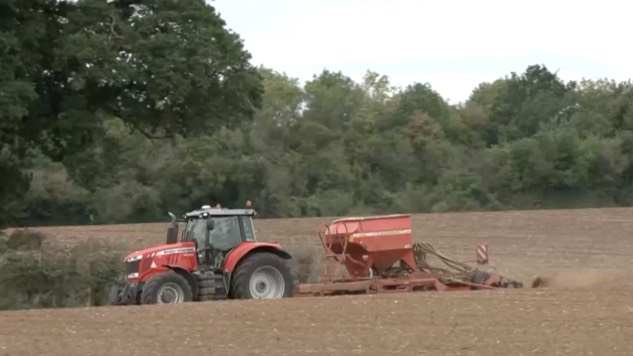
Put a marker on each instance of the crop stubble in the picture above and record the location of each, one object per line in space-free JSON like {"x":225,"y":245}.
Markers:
{"x":587,"y":311}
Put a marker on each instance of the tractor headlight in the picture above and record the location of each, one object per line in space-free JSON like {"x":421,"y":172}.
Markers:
{"x":134,"y":258}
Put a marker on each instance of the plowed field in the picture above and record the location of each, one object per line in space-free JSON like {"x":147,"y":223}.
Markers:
{"x":588,"y":310}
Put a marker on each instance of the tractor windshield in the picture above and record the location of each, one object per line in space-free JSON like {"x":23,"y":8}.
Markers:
{"x":225,"y":235}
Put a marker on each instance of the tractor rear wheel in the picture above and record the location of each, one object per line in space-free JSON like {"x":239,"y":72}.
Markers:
{"x":263,"y":275}
{"x":166,"y":288}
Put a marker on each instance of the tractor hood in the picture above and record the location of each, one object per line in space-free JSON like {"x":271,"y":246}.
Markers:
{"x":162,"y":250}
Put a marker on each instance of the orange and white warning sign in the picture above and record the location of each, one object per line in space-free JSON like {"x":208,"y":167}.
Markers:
{"x":482,"y":254}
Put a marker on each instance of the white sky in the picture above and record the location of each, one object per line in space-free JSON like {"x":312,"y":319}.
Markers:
{"x":452,"y":44}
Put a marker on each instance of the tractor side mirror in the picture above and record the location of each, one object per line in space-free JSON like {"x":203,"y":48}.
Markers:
{"x":172,"y":230}
{"x":210,"y":224}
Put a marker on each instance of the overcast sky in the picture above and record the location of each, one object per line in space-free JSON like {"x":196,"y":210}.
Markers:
{"x":452,"y":44}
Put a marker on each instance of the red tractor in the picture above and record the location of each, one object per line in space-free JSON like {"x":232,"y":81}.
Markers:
{"x":217,"y":257}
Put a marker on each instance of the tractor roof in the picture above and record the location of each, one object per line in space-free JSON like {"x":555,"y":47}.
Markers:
{"x":220,"y":212}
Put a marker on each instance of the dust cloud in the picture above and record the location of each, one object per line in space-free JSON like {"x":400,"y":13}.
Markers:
{"x":579,"y":279}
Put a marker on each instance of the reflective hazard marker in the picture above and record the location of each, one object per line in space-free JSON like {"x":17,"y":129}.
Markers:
{"x":482,"y":254}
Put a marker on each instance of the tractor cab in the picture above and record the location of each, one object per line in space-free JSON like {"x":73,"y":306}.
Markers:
{"x":217,"y":231}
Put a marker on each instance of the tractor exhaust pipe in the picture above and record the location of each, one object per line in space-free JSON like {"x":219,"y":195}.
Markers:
{"x":172,"y":230}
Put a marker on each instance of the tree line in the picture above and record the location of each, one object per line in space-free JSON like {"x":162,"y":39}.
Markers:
{"x":118,"y":111}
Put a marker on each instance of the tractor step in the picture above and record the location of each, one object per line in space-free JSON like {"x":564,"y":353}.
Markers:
{"x":210,"y":286}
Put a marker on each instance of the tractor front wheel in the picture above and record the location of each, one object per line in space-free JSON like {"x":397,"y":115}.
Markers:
{"x":166,"y":288}
{"x":263,"y":276}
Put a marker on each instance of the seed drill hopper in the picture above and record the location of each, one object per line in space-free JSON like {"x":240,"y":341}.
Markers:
{"x":378,"y":255}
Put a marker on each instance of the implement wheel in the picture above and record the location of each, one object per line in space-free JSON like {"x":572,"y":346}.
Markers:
{"x":263,"y":275}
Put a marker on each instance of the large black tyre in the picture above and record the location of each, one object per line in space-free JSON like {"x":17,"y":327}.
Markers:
{"x":263,"y":275}
{"x":167,"y":288}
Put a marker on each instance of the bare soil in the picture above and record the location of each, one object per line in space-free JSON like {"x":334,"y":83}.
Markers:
{"x":586,"y":308}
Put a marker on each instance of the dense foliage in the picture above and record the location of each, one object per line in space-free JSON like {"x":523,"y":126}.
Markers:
{"x":117,"y":112}
{"x":37,"y":274}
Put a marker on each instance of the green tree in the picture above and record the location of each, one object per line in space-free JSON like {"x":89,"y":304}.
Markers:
{"x":165,"y":68}
{"x":525,"y":101}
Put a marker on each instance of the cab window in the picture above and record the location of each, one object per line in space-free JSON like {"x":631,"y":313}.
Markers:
{"x":226,"y":233}
{"x":249,"y":230}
